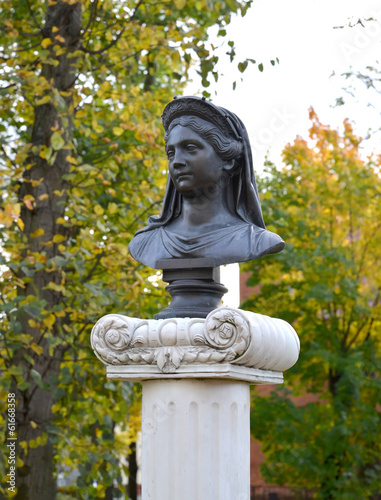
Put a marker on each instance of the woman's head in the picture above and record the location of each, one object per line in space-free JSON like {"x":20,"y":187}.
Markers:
{"x":225,"y":146}
{"x":226,"y":133}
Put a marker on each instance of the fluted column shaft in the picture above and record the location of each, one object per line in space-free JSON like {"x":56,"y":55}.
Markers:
{"x":196,"y":440}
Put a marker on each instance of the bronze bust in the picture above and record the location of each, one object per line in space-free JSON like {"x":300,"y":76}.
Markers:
{"x":211,"y":207}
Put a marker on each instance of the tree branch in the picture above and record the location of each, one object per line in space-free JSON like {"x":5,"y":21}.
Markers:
{"x":7,"y":87}
{"x":33,"y":16}
{"x":365,"y":248}
{"x":93,"y":12}
{"x":25,"y":49}
{"x":3,"y":150}
{"x":356,"y":335}
{"x":31,"y":35}
{"x":142,"y":213}
{"x":100,"y":51}
{"x":92,"y":270}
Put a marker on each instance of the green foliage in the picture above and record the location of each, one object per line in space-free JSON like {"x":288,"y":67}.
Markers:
{"x":82,"y":84}
{"x":325,"y":203}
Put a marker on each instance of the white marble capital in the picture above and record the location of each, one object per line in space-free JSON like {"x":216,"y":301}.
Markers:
{"x":139,"y":349}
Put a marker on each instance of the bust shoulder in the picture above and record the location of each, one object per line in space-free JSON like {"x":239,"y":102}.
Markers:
{"x":237,"y":243}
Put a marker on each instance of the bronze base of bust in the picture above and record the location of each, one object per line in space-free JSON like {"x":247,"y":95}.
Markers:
{"x":194,"y":287}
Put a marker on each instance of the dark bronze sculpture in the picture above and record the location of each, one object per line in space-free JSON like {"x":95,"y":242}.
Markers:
{"x":211,"y":211}
{"x":211,"y":207}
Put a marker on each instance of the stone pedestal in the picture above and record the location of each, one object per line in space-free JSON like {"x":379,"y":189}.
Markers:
{"x":196,"y":375}
{"x":196,"y":440}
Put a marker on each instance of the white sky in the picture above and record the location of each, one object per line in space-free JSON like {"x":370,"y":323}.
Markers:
{"x":274,"y":104}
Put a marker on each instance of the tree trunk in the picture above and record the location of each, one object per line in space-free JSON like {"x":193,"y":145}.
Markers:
{"x":43,"y":194}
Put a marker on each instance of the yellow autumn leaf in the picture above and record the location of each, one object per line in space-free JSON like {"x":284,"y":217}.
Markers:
{"x":60,"y":38}
{"x":25,"y":339}
{"x":59,"y":50}
{"x":57,"y":141}
{"x":36,"y":182}
{"x":33,"y":424}
{"x":55,"y":287}
{"x":5,"y":220}
{"x":71,"y":159}
{"x":12,"y":209}
{"x":118,"y":131}
{"x":32,"y":323}
{"x":58,"y":238}
{"x":37,"y":257}
{"x":49,"y":320}
{"x":38,"y":349}
{"x":46,"y":42}
{"x":97,"y":127}
{"x":59,"y":193}
{"x":43,"y":100}
{"x":43,"y":197}
{"x":28,"y":201}
{"x":112,"y":208}
{"x":98,"y":210}
{"x":38,"y":232}
{"x":46,"y":152}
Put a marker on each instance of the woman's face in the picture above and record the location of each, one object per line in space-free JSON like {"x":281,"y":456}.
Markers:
{"x":194,"y":166}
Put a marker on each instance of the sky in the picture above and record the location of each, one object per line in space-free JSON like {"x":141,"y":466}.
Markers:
{"x":313,"y":55}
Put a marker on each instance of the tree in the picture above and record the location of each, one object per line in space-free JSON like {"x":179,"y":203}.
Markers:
{"x":325,"y":202}
{"x":83,"y":83}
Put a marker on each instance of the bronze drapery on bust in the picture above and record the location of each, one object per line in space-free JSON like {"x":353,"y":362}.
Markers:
{"x":211,"y":207}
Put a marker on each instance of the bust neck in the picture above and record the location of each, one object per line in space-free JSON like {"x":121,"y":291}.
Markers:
{"x":203,"y":214}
